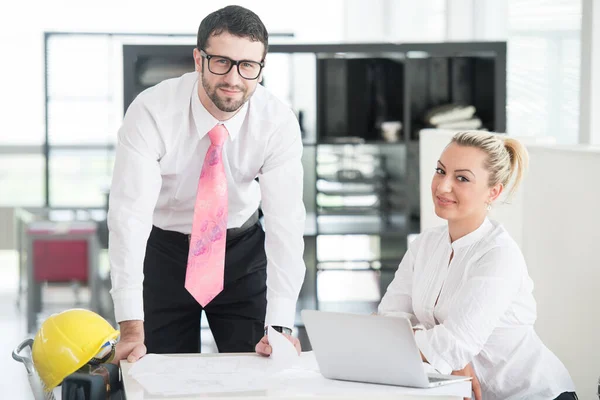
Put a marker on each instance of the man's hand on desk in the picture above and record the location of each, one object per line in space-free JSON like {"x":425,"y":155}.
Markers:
{"x":131,"y":344}
{"x":264,"y":348}
{"x":468,"y":371}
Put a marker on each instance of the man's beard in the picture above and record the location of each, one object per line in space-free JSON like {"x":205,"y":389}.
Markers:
{"x":225,"y":104}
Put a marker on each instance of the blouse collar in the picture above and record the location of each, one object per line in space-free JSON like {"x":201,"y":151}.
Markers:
{"x":472,"y":237}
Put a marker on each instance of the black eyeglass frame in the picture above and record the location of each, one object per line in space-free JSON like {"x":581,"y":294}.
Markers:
{"x":261,"y":64}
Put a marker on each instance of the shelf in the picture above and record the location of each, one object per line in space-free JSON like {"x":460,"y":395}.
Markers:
{"x":361,"y":265}
{"x":365,"y":142}
{"x":343,"y":211}
{"x":310,"y":225}
{"x":348,"y":193}
{"x":347,"y":269}
{"x":335,"y":188}
{"x":359,"y":225}
{"x":370,"y":180}
{"x":366,"y":225}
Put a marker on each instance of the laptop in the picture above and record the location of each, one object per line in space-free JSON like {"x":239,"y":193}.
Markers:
{"x":370,"y":349}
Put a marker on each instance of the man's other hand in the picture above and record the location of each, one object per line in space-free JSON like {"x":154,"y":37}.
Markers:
{"x":264,"y":348}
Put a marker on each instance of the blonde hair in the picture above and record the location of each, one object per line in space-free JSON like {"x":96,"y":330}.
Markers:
{"x":507,"y":158}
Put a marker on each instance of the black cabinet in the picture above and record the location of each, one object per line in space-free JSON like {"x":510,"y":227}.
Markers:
{"x":146,"y":65}
{"x":357,"y":95}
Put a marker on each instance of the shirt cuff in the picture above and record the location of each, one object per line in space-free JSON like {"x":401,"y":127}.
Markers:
{"x":129,"y":305}
{"x":430,"y":354}
{"x":281,"y":312}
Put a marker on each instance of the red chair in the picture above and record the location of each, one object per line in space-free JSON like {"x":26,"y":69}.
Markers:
{"x":60,"y":252}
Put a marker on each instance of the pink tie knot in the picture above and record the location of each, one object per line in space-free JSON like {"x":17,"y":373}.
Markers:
{"x":218,"y":134}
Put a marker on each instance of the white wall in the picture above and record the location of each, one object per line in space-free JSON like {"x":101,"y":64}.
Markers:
{"x":560,"y":243}
{"x":394,"y":20}
{"x":589,"y":117}
{"x":476,"y":20}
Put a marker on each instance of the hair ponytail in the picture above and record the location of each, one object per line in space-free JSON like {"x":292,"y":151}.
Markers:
{"x":519,"y":161}
{"x":507,"y":157}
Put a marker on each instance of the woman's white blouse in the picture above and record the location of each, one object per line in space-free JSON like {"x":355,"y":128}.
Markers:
{"x":477,"y":307}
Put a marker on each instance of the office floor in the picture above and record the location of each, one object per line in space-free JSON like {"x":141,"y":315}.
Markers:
{"x":13,"y":376}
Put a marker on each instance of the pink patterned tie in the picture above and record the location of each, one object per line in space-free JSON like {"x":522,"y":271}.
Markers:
{"x":206,"y":258}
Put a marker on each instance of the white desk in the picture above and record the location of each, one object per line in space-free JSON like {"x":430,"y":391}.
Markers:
{"x":134,"y":391}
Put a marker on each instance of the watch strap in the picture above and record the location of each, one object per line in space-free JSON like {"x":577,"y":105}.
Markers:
{"x":280,"y":329}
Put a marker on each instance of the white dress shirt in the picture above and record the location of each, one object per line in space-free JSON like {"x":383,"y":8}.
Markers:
{"x":484,"y":313}
{"x":161,"y":148}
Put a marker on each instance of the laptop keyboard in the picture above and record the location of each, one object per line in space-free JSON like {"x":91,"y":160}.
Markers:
{"x":433,"y":379}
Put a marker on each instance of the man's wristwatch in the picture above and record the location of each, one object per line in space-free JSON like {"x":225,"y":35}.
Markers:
{"x":280,"y":329}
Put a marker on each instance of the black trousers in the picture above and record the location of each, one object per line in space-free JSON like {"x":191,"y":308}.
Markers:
{"x":236,"y":316}
{"x":567,"y":396}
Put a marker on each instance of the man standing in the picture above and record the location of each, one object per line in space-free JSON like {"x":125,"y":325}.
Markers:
{"x":183,"y":220}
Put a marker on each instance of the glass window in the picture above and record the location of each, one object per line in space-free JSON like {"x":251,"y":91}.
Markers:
{"x":82,"y":88}
{"x":22,"y":72}
{"x":80,"y":178}
{"x":79,"y":66}
{"x":543,"y":69}
{"x":81,"y":121}
{"x":22,"y":180}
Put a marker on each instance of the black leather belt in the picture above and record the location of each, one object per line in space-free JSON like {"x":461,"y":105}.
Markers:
{"x":235,"y":232}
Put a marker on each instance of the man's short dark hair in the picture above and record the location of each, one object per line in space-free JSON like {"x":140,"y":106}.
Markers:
{"x":237,"y":21}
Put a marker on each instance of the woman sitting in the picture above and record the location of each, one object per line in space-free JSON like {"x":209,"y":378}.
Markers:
{"x":465,"y":286}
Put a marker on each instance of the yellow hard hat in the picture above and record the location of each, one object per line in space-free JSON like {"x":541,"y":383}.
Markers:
{"x":67,"y":341}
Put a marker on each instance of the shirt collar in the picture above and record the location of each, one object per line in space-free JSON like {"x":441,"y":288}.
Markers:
{"x":472,"y":237}
{"x":205,"y":121}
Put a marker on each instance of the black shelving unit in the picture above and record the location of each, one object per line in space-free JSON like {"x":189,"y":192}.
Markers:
{"x":360,"y":86}
{"x":374,"y":190}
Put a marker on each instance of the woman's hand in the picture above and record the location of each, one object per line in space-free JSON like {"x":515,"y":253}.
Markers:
{"x":468,"y":371}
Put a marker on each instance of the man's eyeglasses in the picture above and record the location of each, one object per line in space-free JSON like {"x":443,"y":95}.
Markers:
{"x":220,"y":65}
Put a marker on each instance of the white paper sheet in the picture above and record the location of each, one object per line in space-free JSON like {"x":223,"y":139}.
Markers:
{"x":169,"y":375}
{"x":307,"y":362}
{"x":194,"y":375}
{"x":284,"y":355}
